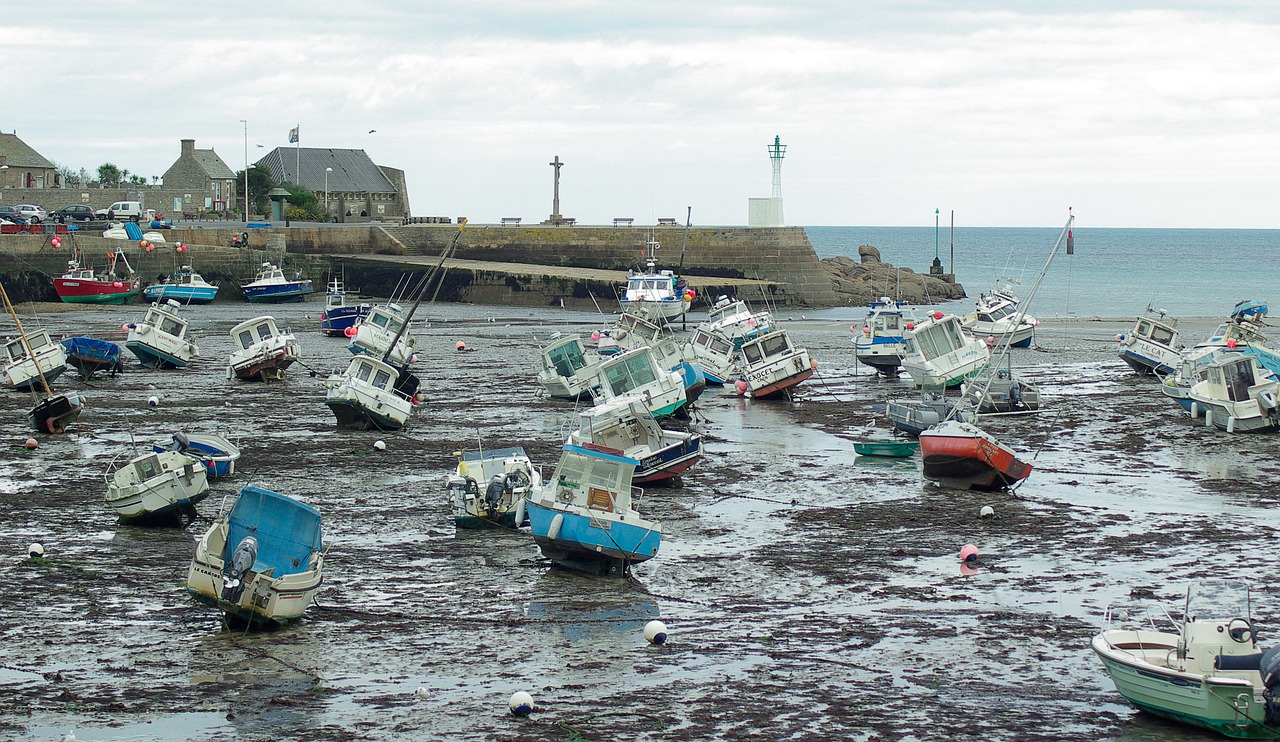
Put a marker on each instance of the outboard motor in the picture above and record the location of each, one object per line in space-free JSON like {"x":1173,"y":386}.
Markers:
{"x":493,"y":493}
{"x":1269,"y":668}
{"x":242,"y":560}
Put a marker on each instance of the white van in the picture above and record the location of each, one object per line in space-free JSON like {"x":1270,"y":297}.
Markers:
{"x":122,"y":210}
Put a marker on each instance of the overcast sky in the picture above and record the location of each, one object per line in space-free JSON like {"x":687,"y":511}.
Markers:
{"x":1142,"y":115}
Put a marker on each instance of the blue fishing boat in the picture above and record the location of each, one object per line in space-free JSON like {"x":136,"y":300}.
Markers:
{"x":880,"y":344}
{"x":271,"y":287}
{"x":184,"y":286}
{"x":89,"y":355}
{"x":583,"y":518}
{"x":338,"y":315}
{"x":216,"y":453}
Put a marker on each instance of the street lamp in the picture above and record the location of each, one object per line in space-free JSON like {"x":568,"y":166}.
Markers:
{"x":246,"y":171}
{"x":326,"y":192}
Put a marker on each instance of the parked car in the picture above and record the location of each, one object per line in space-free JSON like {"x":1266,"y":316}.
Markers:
{"x":122,"y":211}
{"x":34,"y":214}
{"x":73,"y":213}
{"x":11,"y":215}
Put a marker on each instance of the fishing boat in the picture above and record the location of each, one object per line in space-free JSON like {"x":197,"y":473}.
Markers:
{"x":160,"y":340}
{"x":585,"y":518}
{"x":30,"y":357}
{"x":996,"y":316}
{"x":338,"y":313}
{"x":626,"y":425}
{"x":716,"y":356}
{"x":184,"y":286}
{"x":89,"y":355}
{"x":1005,"y":393}
{"x":636,"y":374}
{"x":262,"y":561}
{"x":371,"y":395}
{"x":383,"y":333}
{"x":1206,"y":670}
{"x":79,"y":285}
{"x":664,"y":295}
{"x":772,"y":365}
{"x":733,"y":320}
{"x":964,"y":456}
{"x":635,"y":330}
{"x":569,"y":369}
{"x":262,"y":351}
{"x":52,"y":413}
{"x":1192,"y":363}
{"x":270,"y":286}
{"x":1244,"y":330}
{"x":214,"y":452}
{"x":507,"y":476}
{"x":913,"y":417}
{"x":892,"y":449}
{"x":1237,"y":395}
{"x":939,"y":353}
{"x":878,"y":342}
{"x":156,"y":487}
{"x":1152,"y":345}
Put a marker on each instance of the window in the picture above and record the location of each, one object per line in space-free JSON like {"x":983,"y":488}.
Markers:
{"x":380,"y":320}
{"x":363,"y":373}
{"x":171,"y":326}
{"x":775,"y":344}
{"x":148,"y":467}
{"x":1144,"y":329}
{"x":246,"y":339}
{"x":264,"y":331}
{"x":1239,"y":377}
{"x":927,"y":342}
{"x":380,"y":379}
{"x":752,"y":352}
{"x":1162,"y":335}
{"x":891,"y":321}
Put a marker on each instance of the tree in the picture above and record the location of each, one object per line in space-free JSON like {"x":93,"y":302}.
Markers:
{"x":304,"y":205}
{"x":109,"y":175}
{"x":69,"y":177}
{"x":259,"y":183}
{"x":137,"y":180}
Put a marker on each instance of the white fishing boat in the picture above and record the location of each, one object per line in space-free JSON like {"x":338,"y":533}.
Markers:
{"x":1152,"y":345}
{"x":660,"y":292}
{"x":161,"y":339}
{"x":52,"y":413}
{"x":636,"y":374}
{"x":996,"y":316}
{"x":262,"y":351}
{"x":262,"y":562}
{"x":626,"y":425}
{"x":156,"y":488}
{"x":939,"y":353}
{"x":878,"y":342}
{"x":733,"y":320}
{"x":772,"y":365}
{"x":371,"y":395}
{"x":569,"y":369}
{"x":585,"y":519}
{"x":1237,"y":395}
{"x":633,"y":331}
{"x":489,"y":485}
{"x":31,"y":355}
{"x":1205,"y":670}
{"x":716,"y":356}
{"x":383,"y":334}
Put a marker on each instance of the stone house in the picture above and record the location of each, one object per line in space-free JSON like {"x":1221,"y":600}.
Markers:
{"x":347,"y":181}
{"x":204,"y":180}
{"x":23,"y":167}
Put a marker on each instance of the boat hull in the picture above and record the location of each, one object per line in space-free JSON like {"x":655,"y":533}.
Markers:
{"x":33,"y":383}
{"x":54,"y":414}
{"x":1148,"y":364}
{"x":278,"y":293}
{"x":80,"y":291}
{"x":336,"y":320}
{"x":271,"y":368}
{"x":969,"y":462}
{"x":181,"y":294}
{"x":588,"y":544}
{"x":152,"y":357}
{"x":670,"y":462}
{"x":89,"y":355}
{"x":353,"y":415}
{"x":1218,"y":415}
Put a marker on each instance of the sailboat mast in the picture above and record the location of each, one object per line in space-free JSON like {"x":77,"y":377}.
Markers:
{"x":25,"y":344}
{"x":422,"y":289}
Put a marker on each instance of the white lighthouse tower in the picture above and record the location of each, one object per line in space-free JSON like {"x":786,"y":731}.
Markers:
{"x":767,"y":212}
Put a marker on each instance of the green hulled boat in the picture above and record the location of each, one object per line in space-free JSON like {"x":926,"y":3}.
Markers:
{"x":895,"y":449}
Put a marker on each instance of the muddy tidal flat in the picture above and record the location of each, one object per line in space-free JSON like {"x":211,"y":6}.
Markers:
{"x":809,"y":593}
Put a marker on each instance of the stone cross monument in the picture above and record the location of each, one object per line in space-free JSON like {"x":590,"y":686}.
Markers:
{"x":555,"y":202}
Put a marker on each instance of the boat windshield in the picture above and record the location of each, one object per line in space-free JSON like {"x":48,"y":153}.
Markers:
{"x":171,"y":326}
{"x":1218,"y":600}
{"x":591,"y":481}
{"x":631,"y":372}
{"x":567,"y":358}
{"x":775,"y":344}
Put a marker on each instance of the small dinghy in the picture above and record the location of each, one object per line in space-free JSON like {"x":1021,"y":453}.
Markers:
{"x":156,"y":488}
{"x":584,"y":517}
{"x":964,"y":456}
{"x":506,"y":476}
{"x":892,"y":449}
{"x":89,"y":355}
{"x":160,"y":340}
{"x":262,"y":562}
{"x":217,"y":454}
{"x":263,"y":351}
{"x":28,"y":358}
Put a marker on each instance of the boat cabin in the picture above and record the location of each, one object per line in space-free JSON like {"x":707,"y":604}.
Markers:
{"x":187,"y":277}
{"x":567,"y":357}
{"x":150,"y":466}
{"x":629,"y":371}
{"x":640,"y":327}
{"x":373,"y":372}
{"x":727,"y":312}
{"x":15,"y":351}
{"x":652,"y":287}
{"x":388,"y":317}
{"x":252,"y":332}
{"x":767,"y":348}
{"x":930,"y":340}
{"x":997,"y":311}
{"x":1161,"y":332}
{"x":270,"y":272}
{"x":711,"y":343}
{"x":595,"y":477}
{"x":165,"y":322}
{"x":74,"y":271}
{"x":1235,"y":378}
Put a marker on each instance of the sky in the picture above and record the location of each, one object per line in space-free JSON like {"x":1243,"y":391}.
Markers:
{"x":1133,"y":114}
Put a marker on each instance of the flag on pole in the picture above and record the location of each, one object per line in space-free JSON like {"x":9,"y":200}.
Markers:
{"x":293,"y":135}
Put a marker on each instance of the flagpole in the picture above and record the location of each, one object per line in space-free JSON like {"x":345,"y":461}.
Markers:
{"x":297,"y":154}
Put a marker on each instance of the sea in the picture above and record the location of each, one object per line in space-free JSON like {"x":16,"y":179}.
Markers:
{"x":1112,"y":273}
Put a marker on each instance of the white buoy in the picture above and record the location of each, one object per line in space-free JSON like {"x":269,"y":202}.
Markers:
{"x":69,"y":737}
{"x":380,"y":445}
{"x":153,"y":401}
{"x":1123,"y":615}
{"x":553,"y":531}
{"x":422,"y":693}
{"x":521,"y":703}
{"x":520,"y":512}
{"x":986,"y":512}
{"x":655,"y":632}
{"x":36,"y":550}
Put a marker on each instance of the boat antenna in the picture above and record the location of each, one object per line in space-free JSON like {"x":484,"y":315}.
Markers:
{"x":25,"y":343}
{"x":439,"y":268}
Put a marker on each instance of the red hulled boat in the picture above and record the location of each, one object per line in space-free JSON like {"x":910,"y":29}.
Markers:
{"x":962,"y":455}
{"x":81,"y":285}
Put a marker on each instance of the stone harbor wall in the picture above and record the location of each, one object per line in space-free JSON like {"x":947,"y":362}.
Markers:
{"x":856,"y":283}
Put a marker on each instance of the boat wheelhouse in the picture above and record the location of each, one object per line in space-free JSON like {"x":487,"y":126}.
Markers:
{"x":1152,"y":345}
{"x":569,"y":369}
{"x":160,"y":340}
{"x":940,"y":354}
{"x":26,"y":358}
{"x":262,"y":350}
{"x":376,"y":333}
{"x":636,"y":374}
{"x":772,"y":365}
{"x":371,"y":395}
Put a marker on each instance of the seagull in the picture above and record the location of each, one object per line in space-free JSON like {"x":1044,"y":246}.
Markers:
{"x":372,"y":131}
{"x":259,"y":145}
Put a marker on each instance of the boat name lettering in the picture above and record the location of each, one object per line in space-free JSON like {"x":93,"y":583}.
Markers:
{"x":601,"y":524}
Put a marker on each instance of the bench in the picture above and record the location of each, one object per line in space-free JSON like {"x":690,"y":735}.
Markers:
{"x":618,"y":220}
{"x":666,"y":221}
{"x":511,"y":220}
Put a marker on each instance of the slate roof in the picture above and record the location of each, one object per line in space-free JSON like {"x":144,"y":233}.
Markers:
{"x":353,"y":171}
{"x":18,"y":154}
{"x":213,"y":165}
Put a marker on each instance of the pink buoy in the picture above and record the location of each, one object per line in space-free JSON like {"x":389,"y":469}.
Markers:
{"x":150,"y":248}
{"x":741,"y":386}
{"x":595,"y":336}
{"x":350,"y":332}
{"x":1231,"y":343}
{"x":118,"y":285}
{"x":692,"y":294}
{"x":31,"y":444}
{"x":459,"y":345}
{"x":124,"y":328}
{"x":991,"y":340}
{"x":911,"y":325}
{"x":55,"y":242}
{"x":968,"y":553}
{"x":937,"y":315}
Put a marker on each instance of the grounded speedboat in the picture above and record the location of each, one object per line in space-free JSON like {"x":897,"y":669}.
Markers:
{"x":879,"y":342}
{"x":214,"y":452}
{"x":270,"y":286}
{"x":28,"y":357}
{"x":489,"y":486}
{"x":916,"y":416}
{"x":184,"y":286}
{"x":371,"y":395}
{"x":940,"y":354}
{"x":157,"y":488}
{"x":996,"y":316}
{"x":569,"y":370}
{"x":627,"y":426}
{"x":262,"y":350}
{"x":376,"y":335}
{"x":772,"y":365}
{"x":634,"y":331}
{"x":963,"y":455}
{"x":1152,"y":345}
{"x":160,"y":340}
{"x":1237,"y":395}
{"x":262,"y":561}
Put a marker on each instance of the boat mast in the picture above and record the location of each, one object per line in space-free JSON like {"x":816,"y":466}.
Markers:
{"x":25,"y":344}
{"x":462,"y":224}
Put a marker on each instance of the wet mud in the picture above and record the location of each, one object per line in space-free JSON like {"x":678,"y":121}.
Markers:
{"x":809,"y":593}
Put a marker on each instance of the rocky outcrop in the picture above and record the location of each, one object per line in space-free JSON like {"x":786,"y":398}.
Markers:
{"x":858,"y":283}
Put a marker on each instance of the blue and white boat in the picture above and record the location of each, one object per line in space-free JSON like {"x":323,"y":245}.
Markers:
{"x":633,"y":331}
{"x":89,"y":355}
{"x":184,"y":286}
{"x":271,"y":287}
{"x":217,"y":454}
{"x":636,"y":374}
{"x":584,"y":517}
{"x":626,"y":425}
{"x":879,"y":342}
{"x":338,"y":314}
{"x":1152,"y":345}
{"x":665,"y":296}
{"x":996,"y":316}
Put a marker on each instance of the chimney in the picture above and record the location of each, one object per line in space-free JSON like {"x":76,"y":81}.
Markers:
{"x":188,"y":147}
